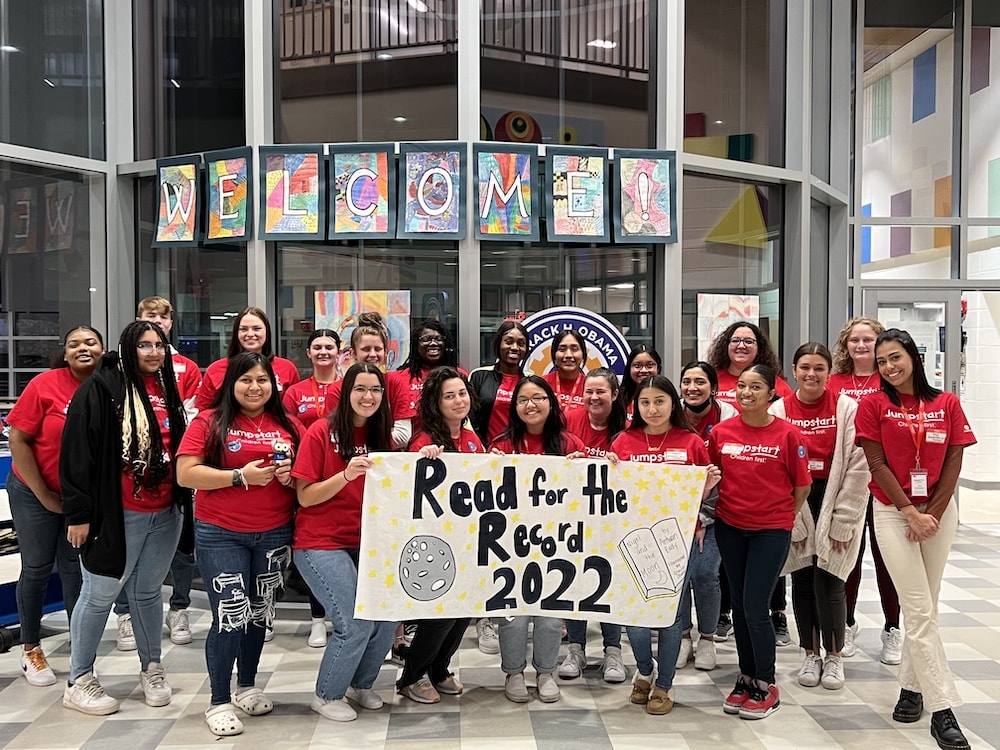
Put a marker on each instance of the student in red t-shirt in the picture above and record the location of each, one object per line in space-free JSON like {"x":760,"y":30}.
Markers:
{"x":856,"y":375}
{"x":642,"y":362}
{"x":828,"y":530}
{"x":569,"y":356}
{"x":238,"y":458}
{"x":494,"y":385}
{"x":445,"y":404}
{"x":251,"y":333}
{"x":330,"y":481}
{"x":660,"y":433}
{"x":765,"y":480}
{"x":536,"y":427}
{"x":914,"y":436}
{"x":33,"y":490}
{"x":123,"y":506}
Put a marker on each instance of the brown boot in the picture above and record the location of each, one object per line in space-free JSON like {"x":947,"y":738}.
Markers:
{"x":660,"y":701}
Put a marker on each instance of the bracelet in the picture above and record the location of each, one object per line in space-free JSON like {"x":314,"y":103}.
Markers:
{"x":900,"y":507}
{"x":346,"y":480}
{"x":239,"y":479}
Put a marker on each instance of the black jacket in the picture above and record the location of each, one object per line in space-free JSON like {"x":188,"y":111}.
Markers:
{"x":90,"y":471}
{"x":485,"y":382}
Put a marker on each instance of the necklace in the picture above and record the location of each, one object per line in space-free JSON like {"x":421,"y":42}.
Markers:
{"x":659,"y":447}
{"x":864,"y":383}
{"x":259,"y":425}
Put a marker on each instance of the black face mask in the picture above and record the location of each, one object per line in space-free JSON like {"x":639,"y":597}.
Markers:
{"x":700,"y":407}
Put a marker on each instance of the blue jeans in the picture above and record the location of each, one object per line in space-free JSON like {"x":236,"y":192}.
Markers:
{"x":241,"y":571}
{"x":42,"y":542}
{"x":357,"y":648}
{"x":703,"y":574}
{"x":150,"y":541}
{"x":182,"y":573}
{"x":545,"y":639}
{"x":753,"y":560}
{"x":576,"y":632}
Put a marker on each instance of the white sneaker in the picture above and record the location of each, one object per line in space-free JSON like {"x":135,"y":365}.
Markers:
{"x":333,"y":710}
{"x":126,"y":638}
{"x":366,"y":698}
{"x":686,"y":653}
{"x":36,"y":668}
{"x":548,"y":690}
{"x":614,"y":666}
{"x":179,"y":626}
{"x":88,"y":697}
{"x":574,"y":663}
{"x":705,"y":657}
{"x":850,"y":649}
{"x":154,"y":685}
{"x":833,"y":672}
{"x":892,"y":646}
{"x":268,"y":634}
{"x":515,"y":689}
{"x":486,"y":634}
{"x":809,"y":673}
{"x":317,"y":633}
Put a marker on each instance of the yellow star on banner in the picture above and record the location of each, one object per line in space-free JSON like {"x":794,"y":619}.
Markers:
{"x":701,"y":476}
{"x":685,"y":507}
{"x":373,"y":510}
{"x":627,"y":473}
{"x":473,"y":527}
{"x":494,"y":464}
{"x":482,"y":582}
{"x":664,"y":511}
{"x":461,"y":568}
{"x":643,"y":511}
{"x":574,"y":506}
{"x":409,"y":605}
{"x":386,"y":563}
{"x":468,"y":547}
{"x":359,"y":608}
{"x":550,"y":525}
{"x":588,"y":533}
{"x":413,"y":529}
{"x":465,"y":462}
{"x":610,"y":546}
{"x":661,"y":482}
{"x":672,"y":493}
{"x":447,"y":526}
{"x":626,"y":523}
{"x":537,"y":556}
{"x":440,"y":608}
{"x":394,"y":546}
{"x":406,"y":467}
{"x":631,"y":601}
{"x":693,"y":491}
{"x":624,"y":587}
{"x":383,"y":605}
{"x":676,"y":476}
{"x":387,"y":483}
{"x":657,"y":498}
{"x":515,"y":518}
{"x":372,"y":552}
{"x":642,"y":484}
{"x":372,"y":573}
{"x":463,"y":595}
{"x":394,"y":522}
{"x":606,"y":527}
{"x":377,"y":461}
{"x":477,"y":476}
{"x":555,"y":479}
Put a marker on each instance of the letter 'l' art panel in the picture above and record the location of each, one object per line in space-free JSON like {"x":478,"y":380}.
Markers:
{"x":293,"y":193}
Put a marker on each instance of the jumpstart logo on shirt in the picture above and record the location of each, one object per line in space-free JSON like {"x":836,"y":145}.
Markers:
{"x":929,"y":416}
{"x":606,"y":345}
{"x":814,"y":424}
{"x":758,"y":452}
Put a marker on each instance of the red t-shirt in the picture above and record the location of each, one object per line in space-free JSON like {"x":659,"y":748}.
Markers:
{"x":285,"y":374}
{"x":235,"y":508}
{"x":818,"y":425}
{"x":393,"y":395}
{"x":162,"y":496}
{"x":408,"y":392}
{"x":187,"y":375}
{"x":945,"y":425}
{"x":676,"y":446}
{"x":500,"y":416}
{"x":307,"y":400}
{"x":760,"y":468}
{"x":468,"y":442}
{"x":336,"y":523}
{"x":727,"y":388}
{"x":596,"y":442}
{"x":532,"y":445}
{"x":41,"y":412}
{"x":570,"y":395}
{"x":704,"y":426}
{"x":855,"y":386}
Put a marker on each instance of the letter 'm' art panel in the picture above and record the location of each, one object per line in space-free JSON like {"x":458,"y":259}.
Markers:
{"x":177,"y":202}
{"x":506,"y":186}
{"x":432,"y":197}
{"x":362,"y":191}
{"x":229,"y":187}
{"x":293,"y":193}
{"x":577,"y":206}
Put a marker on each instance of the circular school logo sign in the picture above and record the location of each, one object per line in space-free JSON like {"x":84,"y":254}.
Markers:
{"x":606,"y":346}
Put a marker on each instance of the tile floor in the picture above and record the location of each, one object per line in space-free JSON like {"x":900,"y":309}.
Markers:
{"x":591,"y":714}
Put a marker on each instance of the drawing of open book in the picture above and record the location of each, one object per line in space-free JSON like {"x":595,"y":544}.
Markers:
{"x":657,"y":557}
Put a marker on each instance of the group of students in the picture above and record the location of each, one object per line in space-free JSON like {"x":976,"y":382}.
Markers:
{"x":105,"y":458}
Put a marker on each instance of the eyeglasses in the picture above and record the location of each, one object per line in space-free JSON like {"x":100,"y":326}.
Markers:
{"x":431,"y":340}
{"x":145,"y":347}
{"x":536,"y":400}
{"x":736,"y":341}
{"x":361,"y":390}
{"x":644,"y":366}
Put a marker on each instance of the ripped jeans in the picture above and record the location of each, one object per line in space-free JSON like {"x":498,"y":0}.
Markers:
{"x":241,"y":571}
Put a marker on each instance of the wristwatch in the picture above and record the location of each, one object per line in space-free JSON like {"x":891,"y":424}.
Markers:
{"x":237,"y":479}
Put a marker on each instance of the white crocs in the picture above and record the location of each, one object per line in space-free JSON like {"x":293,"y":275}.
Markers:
{"x":222,"y":720}
{"x":253,"y":702}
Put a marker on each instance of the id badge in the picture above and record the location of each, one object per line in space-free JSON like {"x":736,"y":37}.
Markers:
{"x":816,"y":464}
{"x":918,"y":482}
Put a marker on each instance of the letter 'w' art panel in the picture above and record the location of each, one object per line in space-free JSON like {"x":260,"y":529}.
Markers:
{"x":177,"y":202}
{"x":293,"y":193}
{"x":506,"y":184}
{"x":432,"y":200}
{"x":363,"y":191}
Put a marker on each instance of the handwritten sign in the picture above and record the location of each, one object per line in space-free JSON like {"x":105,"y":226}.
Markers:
{"x":487,"y":535}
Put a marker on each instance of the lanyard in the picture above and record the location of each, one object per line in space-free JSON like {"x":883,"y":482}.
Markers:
{"x":320,"y":410}
{"x":917,"y":431}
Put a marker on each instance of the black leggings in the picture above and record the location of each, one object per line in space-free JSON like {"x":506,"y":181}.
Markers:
{"x":778,"y":602}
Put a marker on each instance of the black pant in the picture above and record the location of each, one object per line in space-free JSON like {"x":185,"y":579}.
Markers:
{"x":778,"y":603}
{"x":435,"y":642}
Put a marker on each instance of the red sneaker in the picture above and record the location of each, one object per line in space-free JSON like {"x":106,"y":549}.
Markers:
{"x":761,"y":703}
{"x":741,"y":693}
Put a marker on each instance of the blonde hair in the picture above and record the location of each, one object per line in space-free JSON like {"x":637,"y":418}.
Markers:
{"x":842,"y":362}
{"x":155,"y":304}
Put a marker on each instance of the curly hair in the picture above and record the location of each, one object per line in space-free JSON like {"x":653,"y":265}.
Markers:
{"x":413,"y":363}
{"x":429,"y":408}
{"x":369,"y":324}
{"x":842,"y":362}
{"x":718,"y":353}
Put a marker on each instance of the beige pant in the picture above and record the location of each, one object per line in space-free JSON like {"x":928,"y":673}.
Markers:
{"x":916,"y":570}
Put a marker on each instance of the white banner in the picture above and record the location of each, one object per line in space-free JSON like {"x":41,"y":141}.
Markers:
{"x":486,"y":535}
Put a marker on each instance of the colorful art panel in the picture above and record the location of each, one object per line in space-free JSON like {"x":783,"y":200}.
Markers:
{"x":339,"y":311}
{"x":645,"y":196}
{"x":293,"y":193}
{"x":506,"y":186}
{"x":716,"y":312}
{"x":60,"y":215}
{"x":177,"y":202}
{"x":363,"y":191}
{"x":577,"y":207}
{"x":229,"y":184}
{"x":22,"y":220}
{"x":432,"y":197}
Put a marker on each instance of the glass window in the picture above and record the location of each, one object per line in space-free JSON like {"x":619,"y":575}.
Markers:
{"x":189,"y":76}
{"x":733,"y":245}
{"x":822,"y":51}
{"x":380,"y":70}
{"x":570,"y":72}
{"x":734,"y":79}
{"x":906,"y":252}
{"x":52,"y":76}
{"x":984,"y":253}
{"x":46,"y":235}
{"x":206,"y":285}
{"x":984,"y":111}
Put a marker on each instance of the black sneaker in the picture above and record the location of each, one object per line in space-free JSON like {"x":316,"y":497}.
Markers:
{"x":781,"y":636}
{"x":724,"y":628}
{"x":399,"y":652}
{"x":909,"y":707}
{"x":946,"y":732}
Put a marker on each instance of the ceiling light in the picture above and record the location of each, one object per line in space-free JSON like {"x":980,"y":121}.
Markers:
{"x":602,"y":43}
{"x":175,"y":84}
{"x":8,"y":48}
{"x":489,"y":265}
{"x":720,"y":122}
{"x":623,"y":285}
{"x":451,"y":263}
{"x":49,"y":83}
{"x":383,"y":56}
{"x":588,"y":289}
{"x":417,"y":5}
{"x":399,"y":118}
{"x":498,"y":252}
